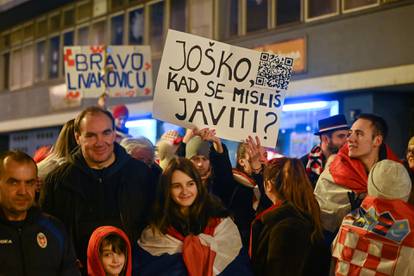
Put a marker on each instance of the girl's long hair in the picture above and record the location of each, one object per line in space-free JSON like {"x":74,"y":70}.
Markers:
{"x":291,"y":183}
{"x":167,"y":213}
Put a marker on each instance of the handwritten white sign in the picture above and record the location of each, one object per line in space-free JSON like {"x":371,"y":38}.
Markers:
{"x":206,"y":83}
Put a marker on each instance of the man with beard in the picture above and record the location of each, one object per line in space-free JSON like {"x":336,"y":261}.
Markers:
{"x":332,"y":132}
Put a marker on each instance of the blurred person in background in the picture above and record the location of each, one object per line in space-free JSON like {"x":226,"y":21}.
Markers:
{"x":332,"y":132}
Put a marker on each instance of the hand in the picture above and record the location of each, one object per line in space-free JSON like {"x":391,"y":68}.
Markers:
{"x":210,"y":135}
{"x":190,"y":133}
{"x":255,"y":151}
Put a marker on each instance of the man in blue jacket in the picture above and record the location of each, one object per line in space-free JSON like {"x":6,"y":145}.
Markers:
{"x":100,"y":185}
{"x":31,"y":242}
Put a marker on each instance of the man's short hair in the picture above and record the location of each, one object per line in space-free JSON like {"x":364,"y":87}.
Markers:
{"x":92,"y":110}
{"x":379,"y":124}
{"x":17,"y":156}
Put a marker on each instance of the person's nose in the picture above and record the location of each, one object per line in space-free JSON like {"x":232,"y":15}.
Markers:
{"x":21,"y":189}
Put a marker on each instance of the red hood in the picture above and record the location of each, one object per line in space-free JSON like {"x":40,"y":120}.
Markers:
{"x":350,"y":172}
{"x":94,"y":264}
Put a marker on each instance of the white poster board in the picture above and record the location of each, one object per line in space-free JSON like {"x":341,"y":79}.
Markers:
{"x":121,"y":71}
{"x":206,"y":83}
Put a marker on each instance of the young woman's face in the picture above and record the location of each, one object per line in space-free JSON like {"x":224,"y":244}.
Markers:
{"x":112,"y":262}
{"x":183,"y":190}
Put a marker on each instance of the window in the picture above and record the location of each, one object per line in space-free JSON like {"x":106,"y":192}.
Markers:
{"x":319,"y":8}
{"x":178,"y":17}
{"x":98,"y":34}
{"x":299,"y":122}
{"x":5,"y":41}
{"x":117,"y":4}
{"x":257,"y":11}
{"x":16,"y":36}
{"x":68,"y":39}
{"x":202,"y":22}
{"x":41,"y":27}
{"x":84,"y":11}
{"x":40,"y":74}
{"x":117,"y":30}
{"x":228,"y":18}
{"x":136,"y":26}
{"x":83,"y":36}
{"x":4,"y":71}
{"x":16,"y":69}
{"x":28,"y":32}
{"x":27,"y":66}
{"x":54,"y":23}
{"x":156,"y":26}
{"x":68,"y":18}
{"x":54,"y":52}
{"x":351,"y":5}
{"x":288,"y":11}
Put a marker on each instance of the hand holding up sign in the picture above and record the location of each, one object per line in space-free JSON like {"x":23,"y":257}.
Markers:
{"x":255,"y":153}
{"x":208,"y":134}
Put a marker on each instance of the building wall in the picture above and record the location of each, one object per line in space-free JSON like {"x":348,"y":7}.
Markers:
{"x":373,"y":39}
{"x":354,"y":42}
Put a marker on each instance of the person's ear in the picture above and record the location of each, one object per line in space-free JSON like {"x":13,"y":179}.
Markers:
{"x":77,"y":137}
{"x":242,"y":162}
{"x":268,"y":185}
{"x":378,"y":140}
{"x":325,"y":139}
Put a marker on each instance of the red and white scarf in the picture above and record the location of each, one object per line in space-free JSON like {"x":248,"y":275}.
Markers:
{"x":315,"y":161}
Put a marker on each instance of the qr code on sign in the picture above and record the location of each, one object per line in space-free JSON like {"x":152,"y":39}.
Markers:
{"x":274,"y":71}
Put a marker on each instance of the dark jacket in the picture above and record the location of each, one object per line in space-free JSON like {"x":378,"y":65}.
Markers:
{"x":39,"y":245}
{"x":221,"y":182}
{"x":119,"y":195}
{"x":241,"y":203}
{"x":281,"y":244}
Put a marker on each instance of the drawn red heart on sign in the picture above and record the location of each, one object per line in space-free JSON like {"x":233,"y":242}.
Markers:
{"x":73,"y":95}
{"x":147,"y":91}
{"x":130,"y":93}
{"x":147,"y":66}
{"x":67,"y":58}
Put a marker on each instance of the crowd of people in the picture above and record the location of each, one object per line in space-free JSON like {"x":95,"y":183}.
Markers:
{"x":105,"y":203}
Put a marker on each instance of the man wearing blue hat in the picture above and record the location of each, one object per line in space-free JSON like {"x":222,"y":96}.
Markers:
{"x":332,"y":132}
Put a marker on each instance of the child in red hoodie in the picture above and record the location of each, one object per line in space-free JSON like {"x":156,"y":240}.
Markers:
{"x":109,"y":253}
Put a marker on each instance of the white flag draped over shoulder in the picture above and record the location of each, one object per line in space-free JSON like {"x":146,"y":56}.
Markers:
{"x":206,"y":83}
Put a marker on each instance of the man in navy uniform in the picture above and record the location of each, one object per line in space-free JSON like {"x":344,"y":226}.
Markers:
{"x":31,"y":242}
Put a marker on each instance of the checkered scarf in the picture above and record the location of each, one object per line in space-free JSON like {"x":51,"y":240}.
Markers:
{"x":315,"y":161}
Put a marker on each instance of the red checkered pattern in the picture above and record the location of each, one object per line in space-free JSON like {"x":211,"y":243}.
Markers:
{"x":359,"y":255}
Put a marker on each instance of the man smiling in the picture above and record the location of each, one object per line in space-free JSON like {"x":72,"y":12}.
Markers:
{"x":343,"y":184}
{"x":103,"y":185}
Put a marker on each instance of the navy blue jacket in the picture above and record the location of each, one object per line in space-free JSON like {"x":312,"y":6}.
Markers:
{"x":38,"y":245}
{"x":84,"y":199}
